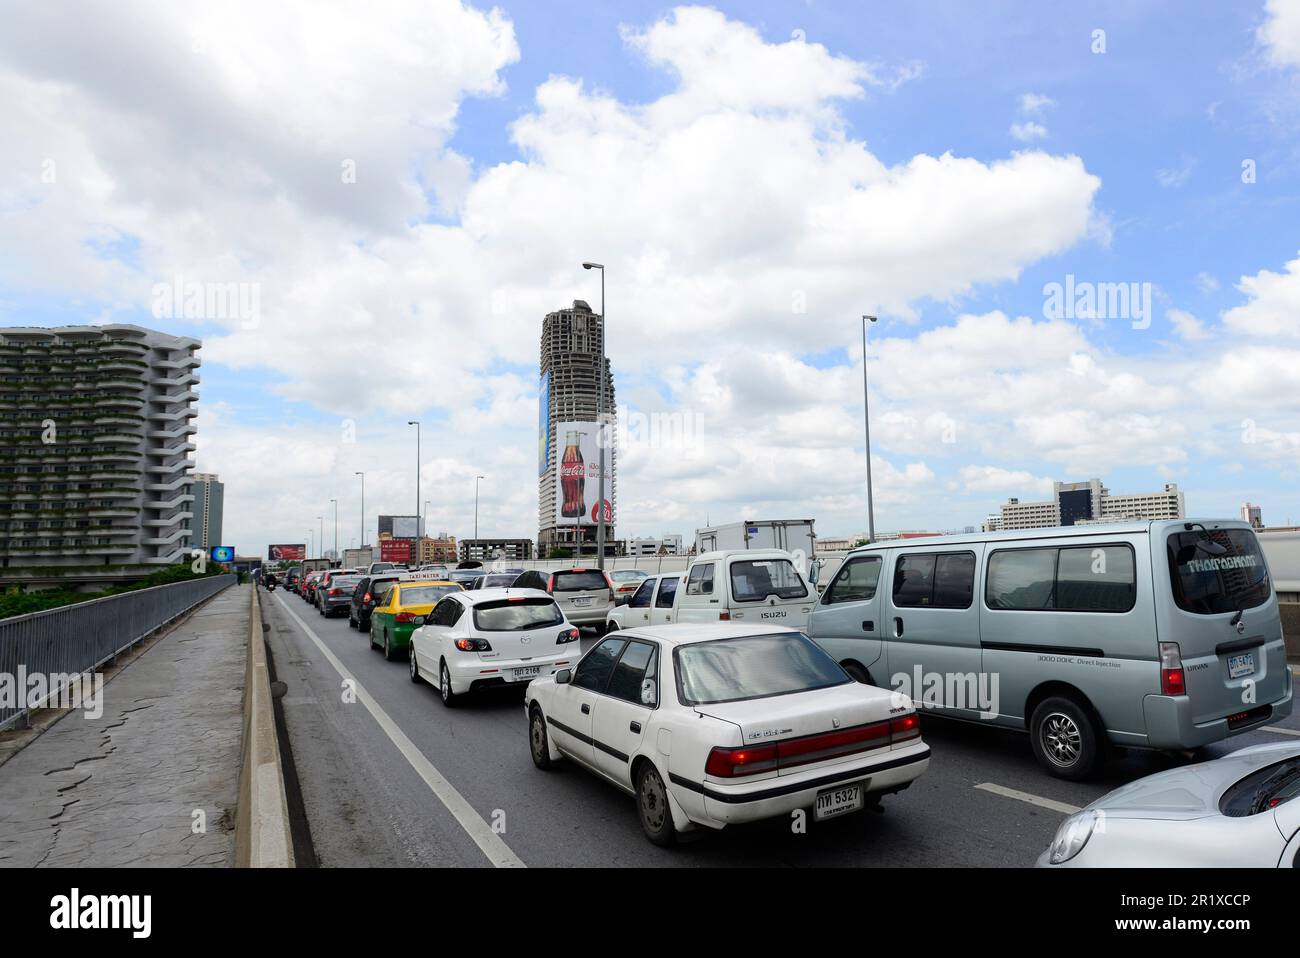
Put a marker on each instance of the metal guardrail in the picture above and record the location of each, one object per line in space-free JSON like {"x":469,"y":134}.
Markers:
{"x":79,"y":638}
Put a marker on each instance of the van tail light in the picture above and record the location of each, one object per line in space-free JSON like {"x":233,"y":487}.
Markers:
{"x":724,"y":616}
{"x":1172,"y":681}
{"x":568,"y":635}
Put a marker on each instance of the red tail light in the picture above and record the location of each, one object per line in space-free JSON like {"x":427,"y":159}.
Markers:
{"x":568,"y":635}
{"x":790,"y":753}
{"x":404,"y":617}
{"x":1172,"y":680}
{"x":336,"y":591}
{"x":609,"y":583}
{"x":724,"y":616}
{"x":367,"y":598}
{"x":550,"y":584}
{"x":736,"y":762}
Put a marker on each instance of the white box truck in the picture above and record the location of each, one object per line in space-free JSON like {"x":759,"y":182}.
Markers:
{"x":795,"y":536}
{"x":358,"y":558}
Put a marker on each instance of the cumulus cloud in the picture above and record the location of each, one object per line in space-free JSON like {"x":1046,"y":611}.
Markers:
{"x":1279,"y":34}
{"x":1186,"y":326}
{"x":1273,"y":304}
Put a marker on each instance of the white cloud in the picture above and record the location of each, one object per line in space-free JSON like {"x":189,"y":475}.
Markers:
{"x":1273,"y":304}
{"x":1028,"y":131}
{"x":1174,"y":177}
{"x":1279,"y":34}
{"x":1033,"y":103}
{"x":996,"y":479}
{"x":1186,"y":325}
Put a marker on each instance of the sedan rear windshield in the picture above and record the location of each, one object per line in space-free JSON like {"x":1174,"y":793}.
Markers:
{"x":515,"y":615}
{"x":345,"y":582}
{"x":425,"y":594}
{"x":499,"y":581}
{"x":1217,"y":570}
{"x":753,"y":667}
{"x":755,"y":579}
{"x":579,"y":581}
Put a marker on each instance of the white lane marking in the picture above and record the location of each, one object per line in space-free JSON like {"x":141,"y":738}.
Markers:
{"x":1279,"y":730}
{"x":1020,"y":796}
{"x":488,"y":841}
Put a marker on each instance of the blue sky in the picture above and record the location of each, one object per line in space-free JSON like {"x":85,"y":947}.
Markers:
{"x":374,"y":301}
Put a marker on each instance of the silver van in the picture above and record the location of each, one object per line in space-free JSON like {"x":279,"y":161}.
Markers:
{"x":1147,"y":634}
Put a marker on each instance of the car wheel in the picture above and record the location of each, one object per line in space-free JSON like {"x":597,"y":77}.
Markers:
{"x":1065,"y":738}
{"x":538,"y":743}
{"x":858,"y":673}
{"x":611,"y":627}
{"x":352,"y":623}
{"x":388,"y":649}
{"x":415,"y":666}
{"x":449,"y":698}
{"x":652,"y":806}
{"x":372,"y":638}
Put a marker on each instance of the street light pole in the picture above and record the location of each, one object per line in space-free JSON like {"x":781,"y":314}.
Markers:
{"x":363,"y":508}
{"x":416,"y":424}
{"x":601,"y":437}
{"x":336,"y":527}
{"x":320,"y":543}
{"x":866,"y":424}
{"x":476,"y":481}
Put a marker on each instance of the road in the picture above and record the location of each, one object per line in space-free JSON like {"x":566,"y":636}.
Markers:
{"x":389,"y":776}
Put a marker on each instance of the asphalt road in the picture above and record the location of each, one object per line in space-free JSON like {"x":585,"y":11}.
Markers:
{"x":389,"y":776}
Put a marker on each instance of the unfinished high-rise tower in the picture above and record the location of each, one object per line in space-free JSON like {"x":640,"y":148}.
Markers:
{"x":571,"y":348}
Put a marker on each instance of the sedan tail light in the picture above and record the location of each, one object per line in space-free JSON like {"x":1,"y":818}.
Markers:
{"x":568,"y":635}
{"x":336,"y":591}
{"x":405,"y":617}
{"x":1172,"y":680}
{"x":808,"y":749}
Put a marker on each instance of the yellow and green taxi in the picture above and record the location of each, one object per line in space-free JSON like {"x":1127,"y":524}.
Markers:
{"x":401,"y":609}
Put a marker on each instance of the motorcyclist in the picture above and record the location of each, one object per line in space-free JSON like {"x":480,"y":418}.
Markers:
{"x":270,"y":581}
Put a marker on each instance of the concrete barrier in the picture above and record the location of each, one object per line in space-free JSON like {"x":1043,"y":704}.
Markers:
{"x":262,"y":838}
{"x":1291,"y":629}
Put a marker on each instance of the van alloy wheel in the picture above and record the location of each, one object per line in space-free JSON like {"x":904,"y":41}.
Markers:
{"x":1061,"y":739}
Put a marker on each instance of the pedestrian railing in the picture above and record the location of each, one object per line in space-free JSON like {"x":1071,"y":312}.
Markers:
{"x":47,"y":650}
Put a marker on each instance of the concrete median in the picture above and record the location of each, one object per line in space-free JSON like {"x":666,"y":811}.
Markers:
{"x":262,"y":836}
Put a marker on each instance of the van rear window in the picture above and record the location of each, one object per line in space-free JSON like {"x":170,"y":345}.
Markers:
{"x":580,"y":581}
{"x":1217,"y":570}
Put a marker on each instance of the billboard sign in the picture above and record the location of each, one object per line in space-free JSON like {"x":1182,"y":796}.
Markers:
{"x":544,"y":424}
{"x":577,"y":475}
{"x":399,"y":527}
{"x":395,"y":550}
{"x":223,"y":553}
{"x":287,"y":551}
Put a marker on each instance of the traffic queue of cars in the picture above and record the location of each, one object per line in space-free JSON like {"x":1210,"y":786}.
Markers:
{"x":733,"y":691}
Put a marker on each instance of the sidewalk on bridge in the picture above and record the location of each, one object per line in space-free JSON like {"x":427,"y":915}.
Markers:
{"x":125,"y":789}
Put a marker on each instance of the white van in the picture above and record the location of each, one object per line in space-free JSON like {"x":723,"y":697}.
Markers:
{"x":1158,"y":634}
{"x":762,"y":586}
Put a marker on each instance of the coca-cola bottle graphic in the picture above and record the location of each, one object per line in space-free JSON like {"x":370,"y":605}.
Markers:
{"x":573,"y":478}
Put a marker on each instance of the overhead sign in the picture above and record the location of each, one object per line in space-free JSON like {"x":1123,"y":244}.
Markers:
{"x":287,"y":551}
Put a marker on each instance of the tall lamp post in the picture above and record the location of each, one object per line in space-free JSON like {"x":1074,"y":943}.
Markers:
{"x":336,"y":527}
{"x":866,"y":425}
{"x":363,"y":508}
{"x":476,"y":482}
{"x":320,"y":542}
{"x":600,"y":419}
{"x":416,"y":424}
{"x":311,"y":543}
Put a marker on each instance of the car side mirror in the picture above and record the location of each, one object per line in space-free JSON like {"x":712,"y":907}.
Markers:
{"x":648,"y":692}
{"x":563,"y":677}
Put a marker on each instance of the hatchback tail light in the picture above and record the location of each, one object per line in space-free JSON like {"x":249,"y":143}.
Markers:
{"x":1172,"y":680}
{"x":568,"y":635}
{"x":473,"y":645}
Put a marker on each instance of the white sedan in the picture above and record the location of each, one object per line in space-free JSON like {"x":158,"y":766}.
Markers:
{"x":712,"y":724}
{"x":489,"y":638}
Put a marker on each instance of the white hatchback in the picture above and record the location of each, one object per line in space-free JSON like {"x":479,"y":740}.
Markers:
{"x":491,"y":638}
{"x":721,"y":723}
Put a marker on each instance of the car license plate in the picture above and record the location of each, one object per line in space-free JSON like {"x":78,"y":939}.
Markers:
{"x":528,"y":672}
{"x":1241,"y":665}
{"x":582,"y":600}
{"x":838,"y":801}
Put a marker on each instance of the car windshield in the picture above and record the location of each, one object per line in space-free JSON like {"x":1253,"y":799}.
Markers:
{"x":752,"y":667}
{"x":579,"y":581}
{"x":344,"y":581}
{"x":499,"y":581}
{"x":425,"y":594}
{"x":515,"y":615}
{"x":1217,"y":570}
{"x":1265,"y":789}
{"x":755,"y":579}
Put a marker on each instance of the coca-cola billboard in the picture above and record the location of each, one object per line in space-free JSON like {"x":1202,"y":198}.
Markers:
{"x":577,"y":476}
{"x":395,"y":550}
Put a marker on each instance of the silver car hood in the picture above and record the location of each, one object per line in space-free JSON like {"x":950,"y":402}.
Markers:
{"x":1192,"y":791}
